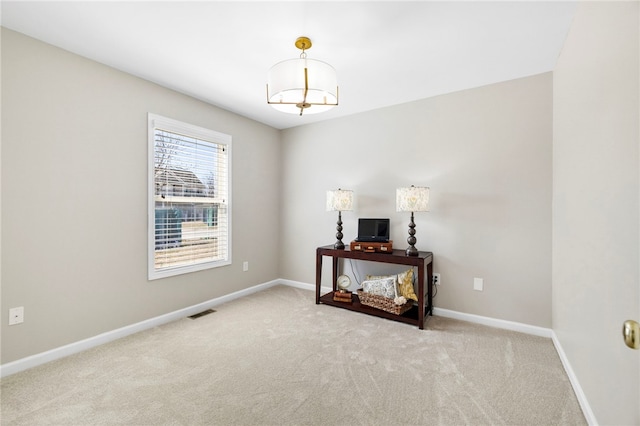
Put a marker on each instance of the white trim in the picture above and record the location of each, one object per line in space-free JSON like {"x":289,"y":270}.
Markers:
{"x":493,"y":322}
{"x":582,"y":398}
{"x":536,"y":331}
{"x":496,"y":323}
{"x":72,"y":348}
{"x":304,"y":286}
{"x":155,"y":121}
{"x":82,"y":345}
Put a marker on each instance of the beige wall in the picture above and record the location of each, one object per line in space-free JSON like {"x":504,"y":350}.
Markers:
{"x":484,"y":152}
{"x":486,"y":155}
{"x":595,"y":205}
{"x":74,"y":193}
{"x":74,"y":158}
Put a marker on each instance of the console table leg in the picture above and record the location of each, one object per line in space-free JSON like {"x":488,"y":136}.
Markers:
{"x":430,"y":288}
{"x":421,"y":295}
{"x":318,"y":276}
{"x":335,"y":273}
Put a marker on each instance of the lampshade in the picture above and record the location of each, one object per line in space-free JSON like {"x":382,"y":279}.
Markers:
{"x":340,"y":200}
{"x":412,"y":199}
{"x":302,"y":85}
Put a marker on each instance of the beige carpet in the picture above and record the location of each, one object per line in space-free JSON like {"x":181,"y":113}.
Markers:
{"x":276,"y":358}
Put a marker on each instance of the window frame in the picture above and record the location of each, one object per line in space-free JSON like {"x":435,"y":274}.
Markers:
{"x":156,"y":121}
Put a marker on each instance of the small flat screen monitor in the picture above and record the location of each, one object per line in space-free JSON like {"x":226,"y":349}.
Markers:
{"x":373,"y":230}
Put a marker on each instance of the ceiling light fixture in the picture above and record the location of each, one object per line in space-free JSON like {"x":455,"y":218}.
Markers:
{"x":302,"y":85}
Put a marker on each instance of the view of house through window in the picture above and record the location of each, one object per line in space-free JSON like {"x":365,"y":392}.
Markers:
{"x":189,"y":205}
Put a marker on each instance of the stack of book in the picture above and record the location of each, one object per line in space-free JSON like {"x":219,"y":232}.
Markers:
{"x":340,"y":296}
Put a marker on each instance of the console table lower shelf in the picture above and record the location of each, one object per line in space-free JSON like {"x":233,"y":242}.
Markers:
{"x":423,"y":262}
{"x":409,"y":317}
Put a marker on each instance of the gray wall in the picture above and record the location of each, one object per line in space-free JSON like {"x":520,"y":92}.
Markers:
{"x":595,"y":205}
{"x":74,"y":194}
{"x":486,"y":155}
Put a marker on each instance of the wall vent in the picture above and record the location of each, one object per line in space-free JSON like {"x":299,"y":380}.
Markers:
{"x":201,"y":314}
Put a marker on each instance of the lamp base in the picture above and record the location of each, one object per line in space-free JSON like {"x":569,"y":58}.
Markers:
{"x":339,"y":245}
{"x":412,"y":251}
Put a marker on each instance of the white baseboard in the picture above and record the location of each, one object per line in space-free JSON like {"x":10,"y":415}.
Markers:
{"x":304,"y":286}
{"x":72,"y":348}
{"x":536,"y":331}
{"x":582,"y":399}
{"x":493,"y":322}
{"x":82,"y":345}
{"x":507,"y":325}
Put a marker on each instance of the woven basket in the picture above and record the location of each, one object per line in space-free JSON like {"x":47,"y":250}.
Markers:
{"x":383,"y":303}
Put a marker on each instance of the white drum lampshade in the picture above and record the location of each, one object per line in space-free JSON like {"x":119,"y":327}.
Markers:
{"x":302,"y":85}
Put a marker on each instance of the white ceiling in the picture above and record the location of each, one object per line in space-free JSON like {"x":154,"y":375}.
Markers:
{"x":385,"y":53}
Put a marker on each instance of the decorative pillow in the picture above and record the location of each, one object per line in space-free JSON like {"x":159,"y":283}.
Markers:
{"x":378,"y":277}
{"x":405,"y":285}
{"x":385,"y":287}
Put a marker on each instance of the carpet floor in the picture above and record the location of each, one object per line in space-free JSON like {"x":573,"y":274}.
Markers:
{"x":277,"y":358}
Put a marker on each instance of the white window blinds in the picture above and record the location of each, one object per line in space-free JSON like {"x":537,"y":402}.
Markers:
{"x":189,"y":204}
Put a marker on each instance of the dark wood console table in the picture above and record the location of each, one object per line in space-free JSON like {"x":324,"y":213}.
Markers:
{"x":424,"y":263}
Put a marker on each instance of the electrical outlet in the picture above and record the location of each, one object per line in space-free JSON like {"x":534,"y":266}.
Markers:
{"x":16,"y":315}
{"x":245,"y":266}
{"x":436,"y":279}
{"x":478,"y":284}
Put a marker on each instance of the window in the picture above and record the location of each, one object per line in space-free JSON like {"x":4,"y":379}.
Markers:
{"x":189,"y":198}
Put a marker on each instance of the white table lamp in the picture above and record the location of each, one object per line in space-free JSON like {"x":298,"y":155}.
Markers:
{"x":412,"y":199}
{"x":340,"y":200}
